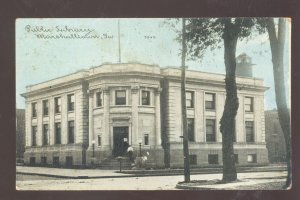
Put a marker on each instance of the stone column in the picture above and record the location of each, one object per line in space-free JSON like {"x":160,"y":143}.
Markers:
{"x":91,"y":119}
{"x":134,"y":116}
{"x":39,"y":119}
{"x":157,"y":117}
{"x":51,"y":121}
{"x":106,"y":125}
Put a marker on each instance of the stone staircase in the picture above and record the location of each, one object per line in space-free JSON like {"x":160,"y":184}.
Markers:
{"x":114,"y":163}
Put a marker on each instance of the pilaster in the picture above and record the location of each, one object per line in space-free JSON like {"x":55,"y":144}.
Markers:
{"x":106,"y":125}
{"x":136,"y":136}
{"x":157,"y":116}
{"x":91,"y":119}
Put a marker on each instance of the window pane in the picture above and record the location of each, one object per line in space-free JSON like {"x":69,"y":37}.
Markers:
{"x":57,"y":104}
{"x":71,"y":123}
{"x":249,"y":131}
{"x":188,"y":95}
{"x":247,"y":100}
{"x":34,"y":110}
{"x":145,"y":94}
{"x":145,"y":97}
{"x":146,"y":139}
{"x":72,"y":98}
{"x":209,"y":101}
{"x":71,"y":102}
{"x":249,"y":104}
{"x":45,"y":134}
{"x":188,"y":103}
{"x":71,"y":132}
{"x":191,"y":134}
{"x":210,"y":130}
{"x":99,"y":140}
{"x":99,"y":99}
{"x":121,"y":94}
{"x":45,"y":107}
{"x":57,"y":133}
{"x":213,"y":159}
{"x":121,"y":97}
{"x":34,"y":132}
{"x":189,"y":100}
{"x":209,"y":97}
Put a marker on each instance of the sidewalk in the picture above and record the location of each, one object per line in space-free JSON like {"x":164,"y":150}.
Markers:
{"x":69,"y":173}
{"x":100,"y":173}
{"x":246,"y":181}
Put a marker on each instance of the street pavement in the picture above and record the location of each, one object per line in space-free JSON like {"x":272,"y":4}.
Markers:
{"x":144,"y":183}
{"x":100,"y":173}
{"x":68,"y":173}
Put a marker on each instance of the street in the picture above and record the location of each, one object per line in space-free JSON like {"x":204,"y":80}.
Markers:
{"x":27,"y":182}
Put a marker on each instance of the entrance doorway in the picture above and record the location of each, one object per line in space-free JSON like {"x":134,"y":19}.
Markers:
{"x":120,"y":140}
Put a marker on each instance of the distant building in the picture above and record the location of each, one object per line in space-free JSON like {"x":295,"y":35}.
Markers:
{"x":20,"y":133}
{"x":274,"y":137}
{"x":92,"y":116}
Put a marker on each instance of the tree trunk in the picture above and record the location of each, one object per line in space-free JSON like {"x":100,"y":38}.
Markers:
{"x":231,"y":103}
{"x":277,"y":49}
{"x":183,"y":109}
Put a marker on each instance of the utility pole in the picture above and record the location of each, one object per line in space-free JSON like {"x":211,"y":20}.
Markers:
{"x":119,"y":40}
{"x":183,"y":108}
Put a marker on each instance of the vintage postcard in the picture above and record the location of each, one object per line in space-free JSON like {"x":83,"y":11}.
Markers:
{"x":153,"y":104}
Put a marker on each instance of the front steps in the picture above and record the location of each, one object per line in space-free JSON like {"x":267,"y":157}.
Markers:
{"x":114,"y":163}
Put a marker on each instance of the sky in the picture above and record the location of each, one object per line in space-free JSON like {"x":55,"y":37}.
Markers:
{"x":43,"y":51}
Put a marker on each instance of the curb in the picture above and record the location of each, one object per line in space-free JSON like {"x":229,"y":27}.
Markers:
{"x":129,"y":174}
{"x":183,"y":187}
{"x":73,"y":177}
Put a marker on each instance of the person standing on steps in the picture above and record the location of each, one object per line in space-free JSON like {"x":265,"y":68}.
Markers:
{"x":130,"y":153}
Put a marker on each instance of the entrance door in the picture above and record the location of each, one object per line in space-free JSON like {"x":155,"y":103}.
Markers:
{"x":120,"y":140}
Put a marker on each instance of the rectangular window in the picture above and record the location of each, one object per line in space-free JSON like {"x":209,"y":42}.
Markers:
{"x":190,"y":127}
{"x":120,"y":97}
{"x":193,"y":159}
{"x":69,"y":161}
{"x":251,"y":158}
{"x":146,"y":139}
{"x":55,"y":161}
{"x":33,"y":135}
{"x":189,"y":99}
{"x":43,"y":161}
{"x":210,"y":101}
{"x":71,"y":132}
{"x":99,"y":140}
{"x":236,"y":158}
{"x":249,"y":131}
{"x":99,"y":100}
{"x":213,"y":159}
{"x":45,"y":134}
{"x":57,"y":133}
{"x":210,"y":130}
{"x":45,"y":107}
{"x":32,"y":161}
{"x":145,"y":97}
{"x":249,"y":104}
{"x":71,"y":102}
{"x":34,"y":109}
{"x":57,"y":103}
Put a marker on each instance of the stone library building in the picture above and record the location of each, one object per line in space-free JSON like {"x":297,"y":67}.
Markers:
{"x":91,"y":117}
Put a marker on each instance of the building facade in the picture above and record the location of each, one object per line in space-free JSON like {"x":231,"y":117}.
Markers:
{"x":92,"y":116}
{"x":274,"y":137}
